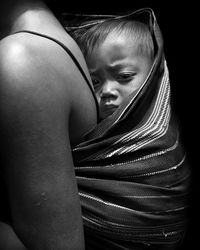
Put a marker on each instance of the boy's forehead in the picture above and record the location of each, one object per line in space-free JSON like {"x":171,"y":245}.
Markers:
{"x":114,"y":47}
{"x":119,"y":38}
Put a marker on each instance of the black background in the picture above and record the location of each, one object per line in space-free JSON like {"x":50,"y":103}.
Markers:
{"x":179,"y":28}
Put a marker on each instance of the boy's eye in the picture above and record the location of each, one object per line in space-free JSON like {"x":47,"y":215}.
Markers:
{"x":126,"y":76}
{"x":96,"y":83}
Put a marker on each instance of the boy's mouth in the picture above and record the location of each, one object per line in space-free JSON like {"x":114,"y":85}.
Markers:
{"x":107,"y":109}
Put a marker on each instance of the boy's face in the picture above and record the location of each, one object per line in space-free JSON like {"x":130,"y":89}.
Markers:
{"x":117,"y":70}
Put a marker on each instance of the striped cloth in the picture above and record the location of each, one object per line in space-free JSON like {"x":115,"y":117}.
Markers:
{"x":132,"y":170}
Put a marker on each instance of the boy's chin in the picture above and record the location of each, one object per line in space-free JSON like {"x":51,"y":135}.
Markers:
{"x":106,"y":114}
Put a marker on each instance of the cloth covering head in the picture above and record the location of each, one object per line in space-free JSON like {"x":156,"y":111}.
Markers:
{"x":132,"y":170}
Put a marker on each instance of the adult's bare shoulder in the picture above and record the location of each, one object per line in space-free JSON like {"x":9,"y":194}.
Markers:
{"x":20,"y":66}
{"x":36,"y":68}
{"x":30,"y":86}
{"x":27,"y":70}
{"x":13,"y":58}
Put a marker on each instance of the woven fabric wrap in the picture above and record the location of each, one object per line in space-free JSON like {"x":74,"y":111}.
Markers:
{"x":132,"y":172}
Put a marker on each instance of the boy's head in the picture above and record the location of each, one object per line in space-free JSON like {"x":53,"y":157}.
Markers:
{"x":119,"y":54}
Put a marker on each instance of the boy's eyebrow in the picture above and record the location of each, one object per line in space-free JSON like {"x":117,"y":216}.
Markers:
{"x":121,"y":63}
{"x":115,"y":66}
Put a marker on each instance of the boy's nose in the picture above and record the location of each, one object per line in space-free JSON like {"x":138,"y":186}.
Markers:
{"x":109,"y":88}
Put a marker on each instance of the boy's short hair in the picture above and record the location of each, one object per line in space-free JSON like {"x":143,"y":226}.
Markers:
{"x":96,"y":35}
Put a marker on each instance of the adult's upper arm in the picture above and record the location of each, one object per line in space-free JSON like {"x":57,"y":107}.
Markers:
{"x":37,"y":157}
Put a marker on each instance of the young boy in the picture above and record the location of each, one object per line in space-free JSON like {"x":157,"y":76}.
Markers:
{"x":119,"y":54}
{"x":131,"y":170}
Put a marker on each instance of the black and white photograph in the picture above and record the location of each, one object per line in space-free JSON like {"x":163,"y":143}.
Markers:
{"x":98,"y":125}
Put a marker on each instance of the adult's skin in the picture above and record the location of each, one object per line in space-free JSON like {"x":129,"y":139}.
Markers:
{"x":45,"y":107}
